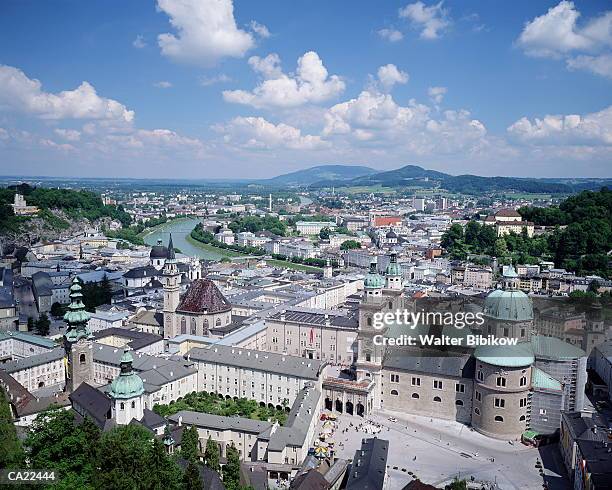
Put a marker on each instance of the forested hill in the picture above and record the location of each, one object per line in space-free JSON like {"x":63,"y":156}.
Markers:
{"x":579,"y":240}
{"x":72,"y":204}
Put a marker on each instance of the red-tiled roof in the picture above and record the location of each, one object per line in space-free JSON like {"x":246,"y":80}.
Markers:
{"x":204,"y":297}
{"x":387,"y":220}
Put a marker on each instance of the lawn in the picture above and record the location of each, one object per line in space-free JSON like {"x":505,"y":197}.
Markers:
{"x":211,"y":248}
{"x":211,"y":403}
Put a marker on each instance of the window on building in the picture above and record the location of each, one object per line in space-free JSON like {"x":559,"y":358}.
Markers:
{"x":523,"y":381}
{"x":459,"y":387}
{"x":395,"y":378}
{"x":500,"y":403}
{"x":459,"y":403}
{"x":133,"y":404}
{"x":415,"y":396}
{"x":506,"y":331}
{"x":480,"y":376}
{"x":478,"y":396}
{"x":522,"y":332}
{"x":121,"y":406}
{"x":394,"y":392}
{"x":82,"y":359}
{"x":368,"y":357}
{"x":416,"y":381}
{"x":500,"y":381}
{"x":499,"y":418}
{"x":521,"y":418}
{"x":193,"y":326}
{"x":477,"y":411}
{"x":437,"y":399}
{"x":369,"y":321}
{"x":542,"y":411}
{"x":437,"y":384}
{"x":183,"y":325}
{"x":218,"y":322}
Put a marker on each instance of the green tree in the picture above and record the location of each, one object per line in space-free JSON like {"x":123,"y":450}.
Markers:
{"x":125,"y":456}
{"x":55,"y":442}
{"x":189,"y":444}
{"x":43,"y":325}
{"x":324,"y":233}
{"x":457,"y":484}
{"x":211,"y":455}
{"x":231,"y":470}
{"x":164,"y":472}
{"x":350,"y":245}
{"x":191,"y":477}
{"x":11,"y":453}
{"x":451,"y":236}
{"x":500,"y":249}
{"x":57,"y":310}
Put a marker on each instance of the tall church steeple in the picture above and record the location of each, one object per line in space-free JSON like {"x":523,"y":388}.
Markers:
{"x":171,"y":279}
{"x":77,"y":340}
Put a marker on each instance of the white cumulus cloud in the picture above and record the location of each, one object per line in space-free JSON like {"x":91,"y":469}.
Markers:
{"x":18,"y":92}
{"x":391,"y":35}
{"x":570,"y":129}
{"x":310,"y":84}
{"x":431,"y":20}
{"x":68,"y":134}
{"x":558,"y":34}
{"x":139,"y":42}
{"x":205,"y":31}
{"x":259,"y":29}
{"x":436,"y":94}
{"x":258,"y":133}
{"x":389,"y":75}
{"x":162,"y":84}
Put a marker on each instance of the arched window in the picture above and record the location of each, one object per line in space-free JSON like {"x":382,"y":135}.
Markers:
{"x":193,"y":325}
{"x":183,"y":325}
{"x":459,"y":403}
{"x":205,"y":322}
{"x":415,"y":396}
{"x":394,"y":392}
{"x":523,"y":381}
{"x":133,"y":404}
{"x":82,"y":359}
{"x":477,"y":411}
{"x":521,"y":418}
{"x":369,"y":321}
{"x":437,"y":399}
{"x":480,"y":376}
{"x":499,"y":418}
{"x":121,"y":406}
{"x":218,"y":322}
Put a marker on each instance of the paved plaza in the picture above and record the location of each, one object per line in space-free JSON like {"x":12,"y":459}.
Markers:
{"x":436,"y":451}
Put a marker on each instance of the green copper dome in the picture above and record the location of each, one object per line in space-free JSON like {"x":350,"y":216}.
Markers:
{"x":519,"y":355}
{"x":393,"y":269}
{"x":373,"y":280}
{"x":128,"y":384}
{"x":508,"y":305}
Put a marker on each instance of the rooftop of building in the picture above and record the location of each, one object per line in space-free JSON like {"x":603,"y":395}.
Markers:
{"x":253,"y":359}
{"x":369,"y":465}
{"x":203,"y":296}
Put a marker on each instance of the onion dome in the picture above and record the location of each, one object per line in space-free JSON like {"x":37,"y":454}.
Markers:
{"x":128,"y":384}
{"x":76,"y":317}
{"x":393,"y":269}
{"x":373,"y":280}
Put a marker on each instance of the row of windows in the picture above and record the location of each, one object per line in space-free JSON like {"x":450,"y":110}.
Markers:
{"x":501,"y":380}
{"x":436,"y":399}
{"x":499,"y":418}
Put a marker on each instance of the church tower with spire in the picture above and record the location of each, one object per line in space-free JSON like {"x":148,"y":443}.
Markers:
{"x":77,"y":341}
{"x":171,"y":280}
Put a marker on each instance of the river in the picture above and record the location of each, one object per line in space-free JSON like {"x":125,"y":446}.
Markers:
{"x":180,"y":229}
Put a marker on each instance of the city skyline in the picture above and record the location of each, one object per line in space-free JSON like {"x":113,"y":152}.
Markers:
{"x":186,"y":89}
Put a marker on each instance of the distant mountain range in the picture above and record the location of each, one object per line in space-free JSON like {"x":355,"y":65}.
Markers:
{"x":331,"y":173}
{"x":415,"y":176}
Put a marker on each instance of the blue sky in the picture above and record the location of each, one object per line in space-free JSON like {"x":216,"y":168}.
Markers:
{"x":215,"y":88}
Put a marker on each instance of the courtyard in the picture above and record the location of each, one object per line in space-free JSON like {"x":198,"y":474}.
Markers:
{"x":436,"y":451}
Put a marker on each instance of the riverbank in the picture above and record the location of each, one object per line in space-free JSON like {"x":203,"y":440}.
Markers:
{"x":211,"y":248}
{"x":153,"y":229}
